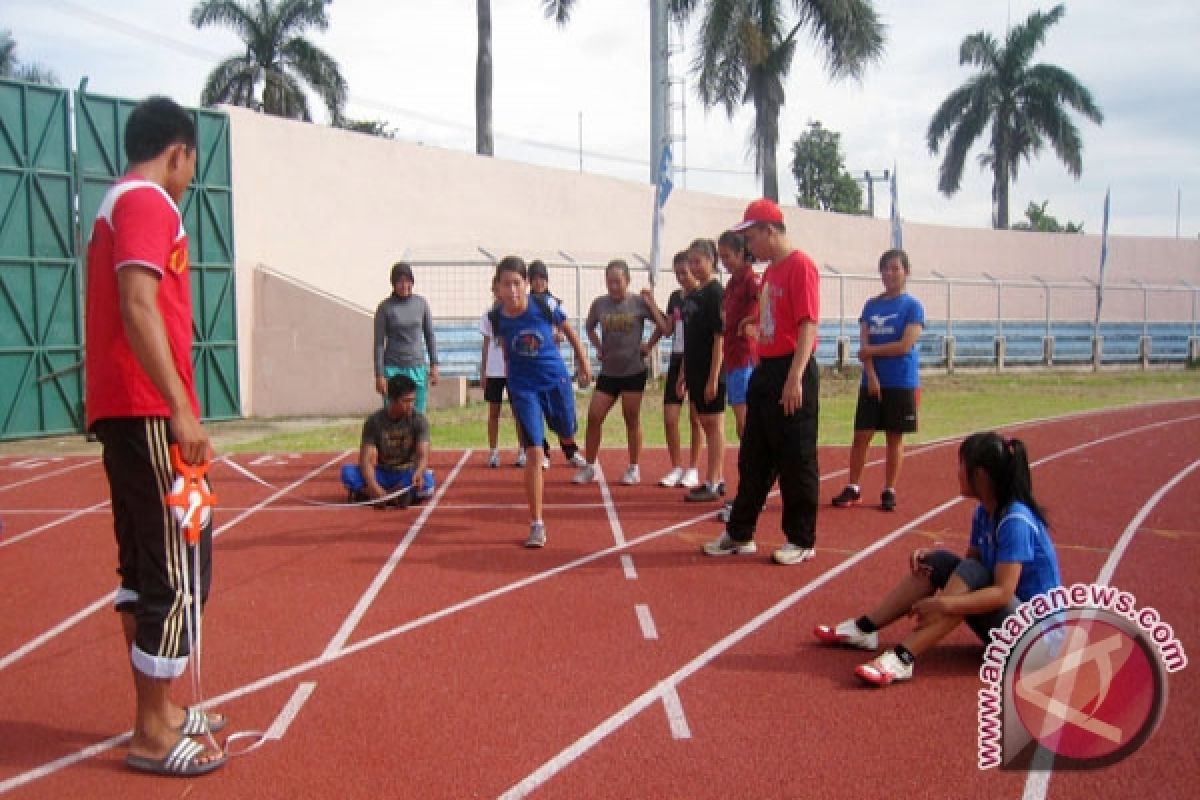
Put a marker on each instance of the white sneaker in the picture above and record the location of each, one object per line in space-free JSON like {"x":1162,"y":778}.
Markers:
{"x":690,"y":479}
{"x":578,"y":460}
{"x":723,"y":545}
{"x":846,"y":632}
{"x":545,"y":462}
{"x":888,"y":668}
{"x":672,"y":478}
{"x":520,"y":462}
{"x":793,"y":554}
{"x":494,"y":459}
{"x":632,"y":476}
{"x":537,"y":535}
{"x":585,"y":475}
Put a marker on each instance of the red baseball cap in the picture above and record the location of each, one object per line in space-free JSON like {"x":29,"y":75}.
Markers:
{"x":762,"y":210}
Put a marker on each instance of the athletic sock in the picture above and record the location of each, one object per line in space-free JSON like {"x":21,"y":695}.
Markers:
{"x":853,"y":486}
{"x":905,"y":655}
{"x":865,"y":625}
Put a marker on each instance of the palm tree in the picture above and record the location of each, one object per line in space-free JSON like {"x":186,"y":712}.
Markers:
{"x":277,"y":57}
{"x":559,"y":10}
{"x":746,"y":50}
{"x":1026,"y":106}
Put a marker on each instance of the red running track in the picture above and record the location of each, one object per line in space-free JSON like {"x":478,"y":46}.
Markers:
{"x":424,"y":653}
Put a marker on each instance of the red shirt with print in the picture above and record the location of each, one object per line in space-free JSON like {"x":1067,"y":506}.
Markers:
{"x":741,"y":301}
{"x":136,"y":226}
{"x":791,"y":294}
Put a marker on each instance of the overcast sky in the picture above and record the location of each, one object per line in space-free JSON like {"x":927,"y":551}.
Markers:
{"x":412,"y":63}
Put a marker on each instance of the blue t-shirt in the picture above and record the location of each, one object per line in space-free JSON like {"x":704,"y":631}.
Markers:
{"x":886,"y":318}
{"x":1018,"y":537}
{"x":532,"y":355}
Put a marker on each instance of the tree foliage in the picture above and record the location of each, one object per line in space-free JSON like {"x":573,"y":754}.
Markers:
{"x":1026,"y":106}
{"x":818,"y":165}
{"x":12,"y":67}
{"x":277,"y":57}
{"x":1038,"y":219}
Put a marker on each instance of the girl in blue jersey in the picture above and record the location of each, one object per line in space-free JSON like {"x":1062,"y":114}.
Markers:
{"x":889,"y":328}
{"x":1009,"y":560}
{"x":539,"y":385}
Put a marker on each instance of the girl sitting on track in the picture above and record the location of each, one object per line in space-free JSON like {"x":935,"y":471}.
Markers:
{"x":621,"y":318}
{"x":679,"y":475}
{"x":1009,"y":559}
{"x":538,"y":382}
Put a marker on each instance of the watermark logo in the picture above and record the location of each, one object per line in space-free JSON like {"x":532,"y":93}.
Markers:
{"x":1075,"y":678}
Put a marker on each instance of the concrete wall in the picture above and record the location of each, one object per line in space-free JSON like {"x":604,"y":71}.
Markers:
{"x":331,"y":210}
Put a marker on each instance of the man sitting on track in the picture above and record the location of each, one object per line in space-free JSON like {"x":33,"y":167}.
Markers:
{"x":394,"y":454}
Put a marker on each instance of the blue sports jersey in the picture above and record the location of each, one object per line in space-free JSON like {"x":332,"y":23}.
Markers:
{"x":1018,"y":537}
{"x":533,"y":360}
{"x":886,"y":318}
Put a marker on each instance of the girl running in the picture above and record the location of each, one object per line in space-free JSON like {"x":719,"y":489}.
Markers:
{"x":1009,"y":559}
{"x":621,"y":318}
{"x":538,"y":383}
{"x":890,"y":325}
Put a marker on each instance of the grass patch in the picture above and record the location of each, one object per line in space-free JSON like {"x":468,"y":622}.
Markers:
{"x":951,"y":405}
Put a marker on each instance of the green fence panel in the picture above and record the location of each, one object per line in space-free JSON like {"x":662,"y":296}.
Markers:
{"x":207,"y":210}
{"x":41,"y":324}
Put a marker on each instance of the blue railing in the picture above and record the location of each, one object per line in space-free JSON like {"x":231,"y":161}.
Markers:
{"x":459,"y":344}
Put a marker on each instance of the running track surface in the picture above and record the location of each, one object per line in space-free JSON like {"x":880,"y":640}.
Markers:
{"x":425,"y":653}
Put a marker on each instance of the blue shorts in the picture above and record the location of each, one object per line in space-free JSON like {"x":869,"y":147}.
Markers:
{"x":419,"y":375}
{"x":388,"y":479}
{"x":555,"y":404}
{"x":736,"y":383}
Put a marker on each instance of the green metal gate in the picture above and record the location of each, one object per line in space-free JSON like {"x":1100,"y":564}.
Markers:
{"x":41,"y":331}
{"x":41,"y":386}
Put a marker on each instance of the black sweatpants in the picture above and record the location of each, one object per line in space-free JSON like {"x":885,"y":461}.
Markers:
{"x":779,"y":446}
{"x":150,"y":560}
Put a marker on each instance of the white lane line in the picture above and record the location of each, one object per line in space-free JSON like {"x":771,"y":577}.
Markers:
{"x":267,"y":681}
{"x":107,"y":599}
{"x":61,"y":521}
{"x":52,"y":474}
{"x":589,"y":740}
{"x":627,"y":566}
{"x":290,"y":711}
{"x":676,"y":719}
{"x":381,"y":578}
{"x":1037,"y":781}
{"x":645,"y":621}
{"x":610,"y":509}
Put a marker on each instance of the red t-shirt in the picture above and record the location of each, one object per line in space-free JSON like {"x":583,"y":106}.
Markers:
{"x":741,"y":301}
{"x":791,"y":294}
{"x":137,"y":225}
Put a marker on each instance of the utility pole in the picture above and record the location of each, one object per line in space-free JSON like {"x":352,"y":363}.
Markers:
{"x":871,"y":179}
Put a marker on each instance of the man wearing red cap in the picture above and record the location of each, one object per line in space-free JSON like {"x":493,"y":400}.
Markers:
{"x":780,"y":438}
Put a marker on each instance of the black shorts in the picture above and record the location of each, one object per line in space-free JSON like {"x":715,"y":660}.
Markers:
{"x":137,"y":463}
{"x":943,"y":563}
{"x":895,"y":411}
{"x":614,"y":386}
{"x":695,"y":380}
{"x":670,"y":396}
{"x":493,"y":389}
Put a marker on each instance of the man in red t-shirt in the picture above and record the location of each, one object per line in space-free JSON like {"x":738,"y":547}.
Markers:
{"x":141,"y":398}
{"x":780,"y":437}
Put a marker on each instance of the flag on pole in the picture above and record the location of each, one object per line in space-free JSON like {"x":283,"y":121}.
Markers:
{"x":897,"y":231}
{"x":1103,"y":257}
{"x":662,"y":190}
